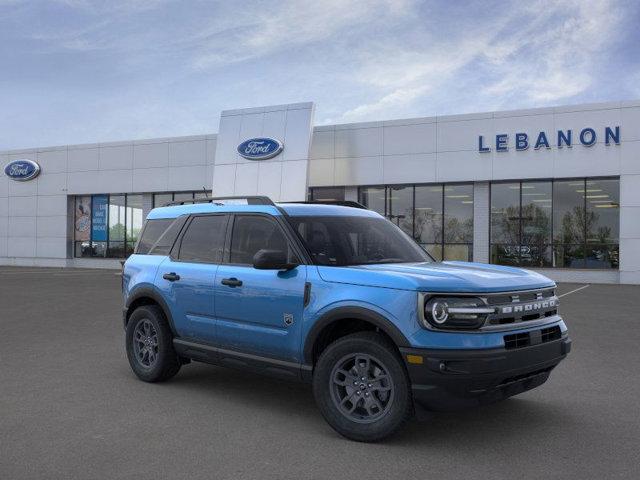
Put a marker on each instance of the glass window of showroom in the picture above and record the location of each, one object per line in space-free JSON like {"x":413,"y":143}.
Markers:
{"x":560,"y":224}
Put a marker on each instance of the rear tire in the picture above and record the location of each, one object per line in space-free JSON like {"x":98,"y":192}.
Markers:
{"x":150,"y":345}
{"x":362,"y":388}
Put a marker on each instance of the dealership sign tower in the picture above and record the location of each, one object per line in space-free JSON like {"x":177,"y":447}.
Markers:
{"x":264,"y":151}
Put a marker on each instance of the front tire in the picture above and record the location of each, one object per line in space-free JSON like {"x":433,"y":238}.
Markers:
{"x":150,"y":345}
{"x":362,"y":388}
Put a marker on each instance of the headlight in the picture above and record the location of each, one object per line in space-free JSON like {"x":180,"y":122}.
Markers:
{"x":455,"y":312}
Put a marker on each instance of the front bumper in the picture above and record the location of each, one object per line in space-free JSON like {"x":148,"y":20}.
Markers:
{"x":454,"y":379}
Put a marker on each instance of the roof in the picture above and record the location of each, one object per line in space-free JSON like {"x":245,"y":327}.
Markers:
{"x":293,"y":209}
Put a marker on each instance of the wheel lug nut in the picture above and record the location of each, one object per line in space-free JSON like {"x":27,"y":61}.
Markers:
{"x":370,"y":385}
{"x":366,"y":394}
{"x":363,"y":379}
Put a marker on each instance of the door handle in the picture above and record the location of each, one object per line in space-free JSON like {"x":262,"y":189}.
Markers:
{"x":172,"y":277}
{"x":231,"y":282}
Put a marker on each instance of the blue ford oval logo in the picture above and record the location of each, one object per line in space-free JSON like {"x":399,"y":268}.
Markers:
{"x":22,"y":170}
{"x":260,"y":148}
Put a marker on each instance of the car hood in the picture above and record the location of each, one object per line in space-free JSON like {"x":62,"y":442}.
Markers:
{"x":437,"y":277}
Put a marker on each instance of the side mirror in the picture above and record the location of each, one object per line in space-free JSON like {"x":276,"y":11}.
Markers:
{"x":272,"y":260}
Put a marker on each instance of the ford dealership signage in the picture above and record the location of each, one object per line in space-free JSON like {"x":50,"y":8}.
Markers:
{"x":564,"y":138}
{"x":22,"y":170}
{"x":260,"y":148}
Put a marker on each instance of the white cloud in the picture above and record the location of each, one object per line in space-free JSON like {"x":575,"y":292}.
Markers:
{"x":543,"y":52}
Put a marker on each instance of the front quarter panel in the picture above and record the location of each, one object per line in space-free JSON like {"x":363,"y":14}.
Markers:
{"x":398,"y":307}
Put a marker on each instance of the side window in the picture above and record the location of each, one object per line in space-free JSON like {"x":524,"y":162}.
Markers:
{"x":204,"y":239}
{"x":168,"y":238}
{"x":153,"y":229}
{"x":252,"y":233}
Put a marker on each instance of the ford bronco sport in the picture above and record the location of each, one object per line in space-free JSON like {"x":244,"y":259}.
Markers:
{"x":340,"y":297}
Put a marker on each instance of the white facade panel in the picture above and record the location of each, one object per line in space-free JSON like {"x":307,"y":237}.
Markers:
{"x":52,"y":226}
{"x":22,"y":206}
{"x":52,"y":183}
{"x":597,"y":160}
{"x":115,"y":181}
{"x":630,"y":157}
{"x":55,"y":247}
{"x":322,"y":172}
{"x":151,"y":155}
{"x":297,"y":135}
{"x":456,"y":136}
{"x":358,"y":142}
{"x":294,"y":174}
{"x":462,"y":166}
{"x":51,"y":205}
{"x":117,"y":157}
{"x":79,"y":183}
{"x":410,"y":139}
{"x":188,"y":153}
{"x":406,"y":168}
{"x":188,"y":178}
{"x":630,"y":119}
{"x":53,"y":161}
{"x":83,"y":159}
{"x":224,"y":179}
{"x":21,"y":246}
{"x":322,"y":144}
{"x":359,"y":171}
{"x":23,"y":189}
{"x":247,"y":179}
{"x":528,"y":163}
{"x":150,"y":180}
{"x":22,"y":227}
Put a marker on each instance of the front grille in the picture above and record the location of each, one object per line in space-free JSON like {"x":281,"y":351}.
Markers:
{"x":520,"y":340}
{"x":517,"y":340}
{"x":517,"y":307}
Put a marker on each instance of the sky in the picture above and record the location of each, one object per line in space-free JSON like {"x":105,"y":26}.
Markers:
{"x":80,"y":71}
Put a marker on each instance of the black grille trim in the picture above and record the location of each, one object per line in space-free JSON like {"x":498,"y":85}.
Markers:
{"x":521,"y":340}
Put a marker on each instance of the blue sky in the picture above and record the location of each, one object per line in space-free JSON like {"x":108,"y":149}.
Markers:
{"x":76,"y":71}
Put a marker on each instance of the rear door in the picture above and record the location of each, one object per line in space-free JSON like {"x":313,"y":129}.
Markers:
{"x":187,"y":277}
{"x":259,"y":311}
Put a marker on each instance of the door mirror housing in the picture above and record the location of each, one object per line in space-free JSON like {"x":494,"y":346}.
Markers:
{"x":272,"y":260}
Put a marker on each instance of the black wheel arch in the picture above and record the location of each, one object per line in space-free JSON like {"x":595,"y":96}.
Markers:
{"x":330,"y":318}
{"x":147,"y":296}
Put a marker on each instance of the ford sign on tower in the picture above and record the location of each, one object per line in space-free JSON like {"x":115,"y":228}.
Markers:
{"x":260,"y":148}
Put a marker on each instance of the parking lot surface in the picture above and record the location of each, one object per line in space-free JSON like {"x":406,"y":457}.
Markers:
{"x":71,"y":408}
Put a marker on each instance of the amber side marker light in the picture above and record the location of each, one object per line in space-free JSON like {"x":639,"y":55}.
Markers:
{"x":415,"y":359}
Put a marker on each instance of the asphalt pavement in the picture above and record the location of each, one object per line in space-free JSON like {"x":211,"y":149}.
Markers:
{"x":70,"y":407}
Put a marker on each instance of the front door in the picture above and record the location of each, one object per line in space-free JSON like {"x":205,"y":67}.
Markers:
{"x":259,"y":311}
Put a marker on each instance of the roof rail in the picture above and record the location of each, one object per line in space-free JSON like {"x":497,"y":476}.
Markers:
{"x":341,"y":203}
{"x":251,"y":200}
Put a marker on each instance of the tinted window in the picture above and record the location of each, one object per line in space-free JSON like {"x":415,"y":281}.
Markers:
{"x":341,"y":241}
{"x":327,"y":193}
{"x":400,"y":208}
{"x":373,"y":198}
{"x":252,"y":233}
{"x":152,"y":231}
{"x":163,"y":245}
{"x":204,"y":239}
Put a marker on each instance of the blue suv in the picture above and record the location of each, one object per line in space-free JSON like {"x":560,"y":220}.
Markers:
{"x":338,"y":296}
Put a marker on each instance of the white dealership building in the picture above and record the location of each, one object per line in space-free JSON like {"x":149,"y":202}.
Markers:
{"x":553,"y":189}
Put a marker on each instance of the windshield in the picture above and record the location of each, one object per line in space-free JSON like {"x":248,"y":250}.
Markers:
{"x":342,"y":241}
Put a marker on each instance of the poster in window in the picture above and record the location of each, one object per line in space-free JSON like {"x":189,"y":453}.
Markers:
{"x":99,"y":218}
{"x":83,"y":219}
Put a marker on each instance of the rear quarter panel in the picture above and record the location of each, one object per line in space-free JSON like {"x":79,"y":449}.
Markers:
{"x":139,"y":272}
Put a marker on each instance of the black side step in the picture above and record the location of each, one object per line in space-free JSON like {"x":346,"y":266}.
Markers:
{"x":201,"y":352}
